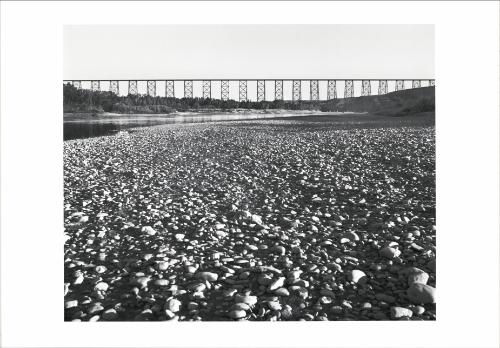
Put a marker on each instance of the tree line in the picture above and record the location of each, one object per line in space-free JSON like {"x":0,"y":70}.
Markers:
{"x":83,"y":100}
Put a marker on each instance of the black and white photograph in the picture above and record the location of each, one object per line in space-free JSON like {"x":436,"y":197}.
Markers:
{"x":256,"y":195}
{"x":249,"y":174}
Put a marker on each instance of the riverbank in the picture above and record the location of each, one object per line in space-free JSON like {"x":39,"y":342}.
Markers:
{"x":206,"y":112}
{"x":256,"y":220}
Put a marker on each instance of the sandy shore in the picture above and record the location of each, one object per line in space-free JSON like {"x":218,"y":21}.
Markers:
{"x":326,"y":219}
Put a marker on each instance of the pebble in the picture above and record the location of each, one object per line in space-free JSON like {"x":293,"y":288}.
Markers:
{"x":250,"y":300}
{"x":150,"y":231}
{"x":141,"y":282}
{"x":110,"y":314}
{"x":416,"y":275}
{"x":208,"y":276}
{"x":421,"y":293}
{"x":389,"y":252}
{"x":101,"y":286}
{"x":161,"y":282}
{"x":400,"y":312}
{"x":237,"y":314}
{"x":278,"y":283}
{"x":282,"y":292}
{"x":100,"y":269}
{"x":173,"y":305}
{"x":70,"y":304}
{"x":357,"y":276}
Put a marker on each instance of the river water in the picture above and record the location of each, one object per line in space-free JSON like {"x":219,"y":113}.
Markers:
{"x":87,"y":126}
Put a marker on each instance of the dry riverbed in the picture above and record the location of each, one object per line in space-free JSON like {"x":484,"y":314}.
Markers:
{"x":260,"y":220}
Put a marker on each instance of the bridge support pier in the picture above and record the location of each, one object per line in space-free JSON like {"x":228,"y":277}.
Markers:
{"x":349,"y":89}
{"x":114,"y":87}
{"x":382,"y":87}
{"x":169,"y":89}
{"x":261,"y":90}
{"x":314,"y":90}
{"x":400,"y":85}
{"x":132,"y":87}
{"x":152,"y":88}
{"x":95,"y":85}
{"x":188,"y":89}
{"x":366,"y":88}
{"x":207,"y":89}
{"x":243,"y":91}
{"x":224,"y":89}
{"x":278,"y":90}
{"x":331,"y":91}
{"x":296,"y":90}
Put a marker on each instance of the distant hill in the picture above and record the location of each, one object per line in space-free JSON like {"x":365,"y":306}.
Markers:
{"x":398,"y":103}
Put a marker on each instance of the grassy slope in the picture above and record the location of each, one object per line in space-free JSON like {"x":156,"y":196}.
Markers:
{"x":398,"y":103}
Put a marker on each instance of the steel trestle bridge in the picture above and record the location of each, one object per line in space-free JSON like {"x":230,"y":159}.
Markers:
{"x":296,"y":85}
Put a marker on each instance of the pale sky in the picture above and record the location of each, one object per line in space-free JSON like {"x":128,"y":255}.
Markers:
{"x":248,"y":52}
{"x":215,"y":52}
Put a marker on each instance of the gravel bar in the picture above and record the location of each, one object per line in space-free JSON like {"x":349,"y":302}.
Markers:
{"x":268,"y":220}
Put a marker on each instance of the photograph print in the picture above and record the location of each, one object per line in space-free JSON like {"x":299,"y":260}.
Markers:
{"x":249,"y":173}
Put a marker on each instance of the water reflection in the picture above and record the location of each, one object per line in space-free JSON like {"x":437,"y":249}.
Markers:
{"x":77,"y":127}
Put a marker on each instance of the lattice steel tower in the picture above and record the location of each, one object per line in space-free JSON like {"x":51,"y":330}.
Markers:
{"x":382,"y":87}
{"x":224,"y":89}
{"x":95,"y":85}
{"x":314,"y":90}
{"x":207,"y":89}
{"x":366,"y":88}
{"x":169,"y":89}
{"x":132,"y":87}
{"x":188,"y":89}
{"x":400,"y":85}
{"x":152,"y":88}
{"x":114,"y":87}
{"x":296,"y":90}
{"x":261,"y":90}
{"x":349,"y":89}
{"x":331,"y":92}
{"x":243,"y":90}
{"x":278,"y":90}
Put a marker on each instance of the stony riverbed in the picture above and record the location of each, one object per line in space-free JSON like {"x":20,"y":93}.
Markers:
{"x":264,"y":220}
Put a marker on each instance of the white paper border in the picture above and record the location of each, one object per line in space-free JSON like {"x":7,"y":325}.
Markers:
{"x":467,"y":177}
